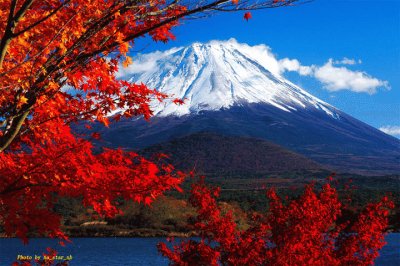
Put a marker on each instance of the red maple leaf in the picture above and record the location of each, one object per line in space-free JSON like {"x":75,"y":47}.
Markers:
{"x":247,"y":16}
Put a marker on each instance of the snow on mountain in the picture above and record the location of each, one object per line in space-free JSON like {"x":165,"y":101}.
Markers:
{"x":218,"y":75}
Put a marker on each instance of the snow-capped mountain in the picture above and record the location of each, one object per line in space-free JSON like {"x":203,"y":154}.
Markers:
{"x":235,"y":89}
{"x":219,"y":74}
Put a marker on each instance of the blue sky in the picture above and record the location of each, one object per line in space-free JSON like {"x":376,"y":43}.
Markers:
{"x":313,"y":33}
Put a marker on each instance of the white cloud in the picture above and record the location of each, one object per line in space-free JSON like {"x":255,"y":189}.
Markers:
{"x":287,"y":64}
{"x":146,"y":63}
{"x":262,"y":54}
{"x":336,"y":78}
{"x":347,"y":61}
{"x":333,"y":77}
{"x":391,"y":130}
{"x":333,"y":74}
{"x":341,"y":78}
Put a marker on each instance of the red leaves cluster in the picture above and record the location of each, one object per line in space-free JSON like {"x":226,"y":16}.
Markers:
{"x":32,"y":181}
{"x":55,"y":70}
{"x":303,"y":232}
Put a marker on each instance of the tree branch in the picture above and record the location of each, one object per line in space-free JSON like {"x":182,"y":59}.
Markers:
{"x":13,"y":129}
{"x":5,"y":41}
{"x":11,"y":24}
{"x":41,"y":20}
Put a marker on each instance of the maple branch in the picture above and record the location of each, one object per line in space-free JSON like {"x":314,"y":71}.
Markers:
{"x":5,"y":41}
{"x":21,"y":12}
{"x":53,"y":64}
{"x":131,"y":37}
{"x":13,"y":128}
{"x":34,"y":57}
{"x":42,"y":19}
{"x":51,"y":67}
{"x":12,"y":22}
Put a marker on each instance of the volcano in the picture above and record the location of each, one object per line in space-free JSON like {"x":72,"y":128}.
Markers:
{"x":234,"y":89}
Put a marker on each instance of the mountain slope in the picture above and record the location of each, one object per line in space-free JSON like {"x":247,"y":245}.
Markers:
{"x":217,"y":154}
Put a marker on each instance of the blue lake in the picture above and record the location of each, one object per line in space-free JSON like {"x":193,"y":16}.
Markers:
{"x":130,"y":251}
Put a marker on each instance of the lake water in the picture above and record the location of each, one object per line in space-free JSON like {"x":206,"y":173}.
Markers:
{"x":130,"y":251}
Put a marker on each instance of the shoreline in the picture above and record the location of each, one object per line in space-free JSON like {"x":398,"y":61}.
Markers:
{"x":132,"y":233}
{"x":140,"y":233}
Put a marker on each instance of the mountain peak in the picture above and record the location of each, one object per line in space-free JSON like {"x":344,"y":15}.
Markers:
{"x":218,"y":75}
{"x":231,"y":41}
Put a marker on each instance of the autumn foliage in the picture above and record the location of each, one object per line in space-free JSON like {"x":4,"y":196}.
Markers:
{"x":58,"y":65}
{"x":304,"y":231}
